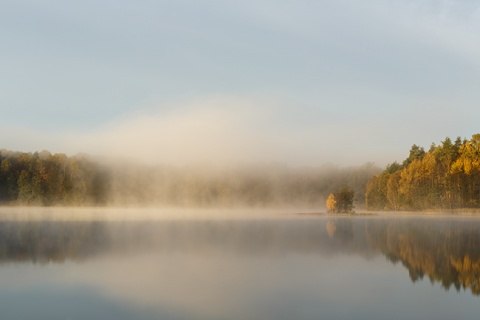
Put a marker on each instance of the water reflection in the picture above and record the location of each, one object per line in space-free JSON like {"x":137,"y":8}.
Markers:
{"x":246,"y":269}
{"x":47,"y":241}
{"x":445,"y":250}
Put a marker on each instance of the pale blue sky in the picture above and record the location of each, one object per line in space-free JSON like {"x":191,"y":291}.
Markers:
{"x":300,"y":82}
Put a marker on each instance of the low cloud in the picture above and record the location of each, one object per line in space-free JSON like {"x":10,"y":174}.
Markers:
{"x":229,"y":130}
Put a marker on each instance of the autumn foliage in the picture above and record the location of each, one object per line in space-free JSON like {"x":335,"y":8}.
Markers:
{"x":341,"y":201}
{"x":331,"y":203}
{"x":447,"y":176}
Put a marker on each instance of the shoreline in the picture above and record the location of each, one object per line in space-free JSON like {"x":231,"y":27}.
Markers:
{"x":30,"y":213}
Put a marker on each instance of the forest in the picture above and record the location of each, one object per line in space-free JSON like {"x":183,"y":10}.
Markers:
{"x":45,"y":179}
{"x":445,"y":177}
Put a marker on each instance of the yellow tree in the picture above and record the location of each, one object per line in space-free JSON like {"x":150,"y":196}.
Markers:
{"x":409,"y":184}
{"x":428,"y":178}
{"x":468,"y":166}
{"x":393,"y":190}
{"x":331,"y":203}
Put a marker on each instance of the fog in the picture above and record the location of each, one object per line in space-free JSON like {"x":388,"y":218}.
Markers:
{"x":229,"y":130}
{"x":254,"y":186}
{"x":81,"y":182}
{"x":215,"y":152}
{"x":134,"y":214}
{"x":224,"y":130}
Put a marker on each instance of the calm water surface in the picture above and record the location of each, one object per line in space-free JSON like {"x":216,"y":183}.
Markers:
{"x":282,"y":268}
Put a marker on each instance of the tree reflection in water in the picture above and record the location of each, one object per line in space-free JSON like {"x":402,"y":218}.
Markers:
{"x":446,"y":250}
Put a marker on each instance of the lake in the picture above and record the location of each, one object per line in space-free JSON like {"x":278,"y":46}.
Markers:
{"x":272,"y":267}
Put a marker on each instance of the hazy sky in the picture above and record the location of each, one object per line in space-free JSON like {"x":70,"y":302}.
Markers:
{"x":300,"y":82}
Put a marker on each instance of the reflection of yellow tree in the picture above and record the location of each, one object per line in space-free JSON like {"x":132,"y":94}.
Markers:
{"x":340,"y":229}
{"x":331,"y":228}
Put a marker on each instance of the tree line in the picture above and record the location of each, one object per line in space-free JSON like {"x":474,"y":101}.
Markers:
{"x":45,"y":179}
{"x":50,"y":179}
{"x":447,"y":176}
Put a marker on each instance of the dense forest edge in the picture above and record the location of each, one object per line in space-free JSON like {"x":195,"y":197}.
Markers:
{"x":446,"y":177}
{"x":45,"y":179}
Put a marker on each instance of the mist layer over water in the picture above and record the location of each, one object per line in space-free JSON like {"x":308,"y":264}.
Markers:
{"x":45,"y":179}
{"x":282,"y":267}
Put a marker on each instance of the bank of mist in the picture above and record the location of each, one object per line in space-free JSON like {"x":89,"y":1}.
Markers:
{"x":47,"y":179}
